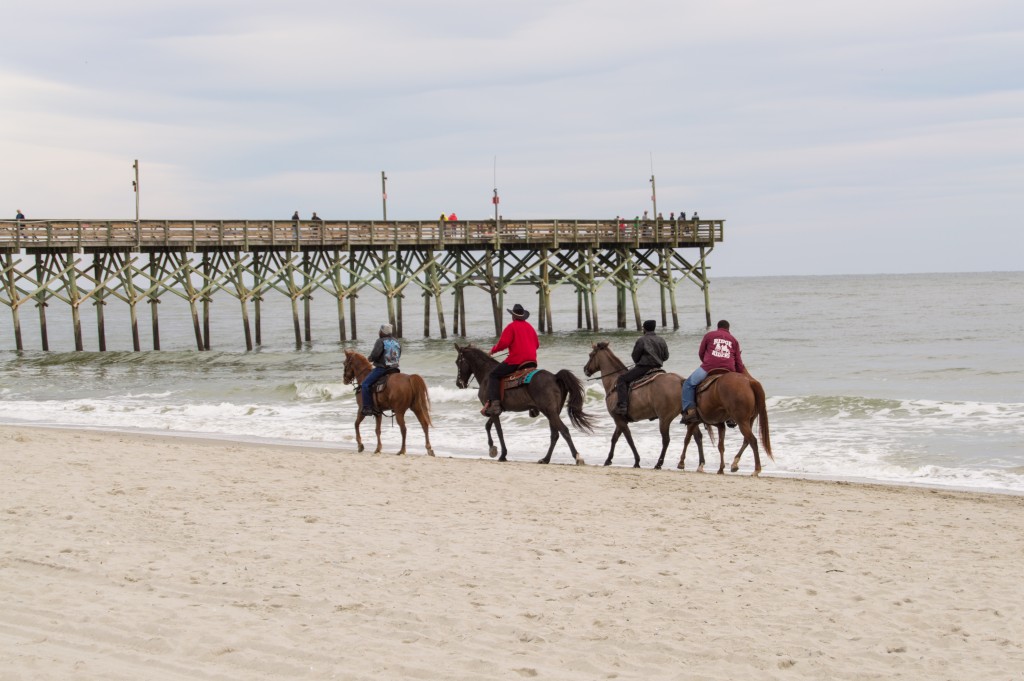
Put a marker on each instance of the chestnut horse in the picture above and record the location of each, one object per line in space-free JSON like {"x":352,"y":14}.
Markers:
{"x":546,"y":394}
{"x":658,"y":399}
{"x":732,"y":397}
{"x":403,"y":392}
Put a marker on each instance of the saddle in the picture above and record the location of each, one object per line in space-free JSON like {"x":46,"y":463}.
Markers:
{"x":381,"y":383}
{"x":518,"y":378}
{"x":710,"y":379}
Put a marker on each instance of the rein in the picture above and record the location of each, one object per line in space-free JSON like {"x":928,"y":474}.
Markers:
{"x":611,"y":373}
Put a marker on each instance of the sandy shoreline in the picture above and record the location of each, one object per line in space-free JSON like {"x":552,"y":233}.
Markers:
{"x":142,"y":557}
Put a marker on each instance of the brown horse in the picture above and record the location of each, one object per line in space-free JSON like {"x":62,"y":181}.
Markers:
{"x":403,"y":392}
{"x":546,"y":394}
{"x":658,"y":399}
{"x":732,"y":397}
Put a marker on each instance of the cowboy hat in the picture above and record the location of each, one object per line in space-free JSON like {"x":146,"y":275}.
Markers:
{"x":519,"y":312}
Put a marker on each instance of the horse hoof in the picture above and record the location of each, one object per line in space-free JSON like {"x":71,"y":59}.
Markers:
{"x":361,"y":448}
{"x":636,"y":465}
{"x":657,"y":466}
{"x":401,"y":453}
{"x":430,"y":452}
{"x":700,"y":468}
{"x":580,"y":461}
{"x":734,"y":469}
{"x":681,"y":467}
{"x":493,"y":453}
{"x":608,"y":462}
{"x":502,"y":458}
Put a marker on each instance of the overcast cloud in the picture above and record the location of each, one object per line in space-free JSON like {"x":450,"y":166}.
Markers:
{"x":833,"y":137}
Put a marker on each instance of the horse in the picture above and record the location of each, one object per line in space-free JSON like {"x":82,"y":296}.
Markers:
{"x":736,"y":397}
{"x":403,"y":392}
{"x":546,"y":393}
{"x":658,"y":399}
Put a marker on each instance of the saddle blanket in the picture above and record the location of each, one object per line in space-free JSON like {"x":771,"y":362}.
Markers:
{"x":518,"y":378}
{"x":382,"y":382}
{"x":645,"y":379}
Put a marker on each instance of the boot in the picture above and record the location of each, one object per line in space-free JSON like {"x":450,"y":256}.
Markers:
{"x":690,"y":417}
{"x":621,"y":409}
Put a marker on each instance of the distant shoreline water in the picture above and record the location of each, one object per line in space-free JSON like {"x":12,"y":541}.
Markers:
{"x":896,"y":379}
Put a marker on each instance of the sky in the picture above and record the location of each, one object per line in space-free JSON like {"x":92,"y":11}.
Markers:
{"x":832,"y":137}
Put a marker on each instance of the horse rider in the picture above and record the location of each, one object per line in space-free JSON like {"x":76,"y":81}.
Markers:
{"x":384,"y":356}
{"x":649,"y":353}
{"x":718,"y":350}
{"x":520,"y":339}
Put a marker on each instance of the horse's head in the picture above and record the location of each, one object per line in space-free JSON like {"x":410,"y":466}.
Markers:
{"x":593,"y":364}
{"x":349,"y":375}
{"x":462,"y":364}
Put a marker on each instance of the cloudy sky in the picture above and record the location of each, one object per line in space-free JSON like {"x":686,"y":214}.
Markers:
{"x":832,"y":136}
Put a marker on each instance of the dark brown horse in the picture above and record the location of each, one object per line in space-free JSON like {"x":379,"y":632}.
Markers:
{"x":731,"y":397}
{"x":546,"y":393}
{"x":658,"y":399}
{"x":403,"y":392}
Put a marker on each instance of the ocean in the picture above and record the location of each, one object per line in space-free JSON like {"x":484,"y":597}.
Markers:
{"x":913,"y":379}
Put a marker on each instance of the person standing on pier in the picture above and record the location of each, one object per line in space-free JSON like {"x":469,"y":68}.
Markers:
{"x":20,"y":215}
{"x":520,"y":339}
{"x":386,"y":353}
{"x":719,"y":349}
{"x":650,"y":352}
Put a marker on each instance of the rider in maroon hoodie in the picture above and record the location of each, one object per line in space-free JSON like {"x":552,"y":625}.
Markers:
{"x":718,"y":350}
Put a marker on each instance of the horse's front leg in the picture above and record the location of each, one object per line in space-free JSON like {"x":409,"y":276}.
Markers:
{"x":632,"y":445}
{"x":501,"y":438}
{"x":359,"y":419}
{"x":492,"y":451}
{"x":686,"y":443}
{"x":615,"y":438}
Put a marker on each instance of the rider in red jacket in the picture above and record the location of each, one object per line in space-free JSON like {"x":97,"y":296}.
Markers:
{"x":520,"y":339}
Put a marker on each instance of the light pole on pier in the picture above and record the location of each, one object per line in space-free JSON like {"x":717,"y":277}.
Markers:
{"x":135,"y":188}
{"x":384,"y":193}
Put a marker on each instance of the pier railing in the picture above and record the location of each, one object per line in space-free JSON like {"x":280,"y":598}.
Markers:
{"x":198,"y":235}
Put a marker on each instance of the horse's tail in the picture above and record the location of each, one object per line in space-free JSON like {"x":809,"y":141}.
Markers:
{"x":573,"y":387}
{"x":420,"y":398}
{"x":762,"y":416}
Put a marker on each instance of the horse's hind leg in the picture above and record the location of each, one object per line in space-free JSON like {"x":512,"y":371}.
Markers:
{"x":665,"y":424}
{"x":558,"y":427}
{"x":422,"y":418}
{"x":721,"y":449}
{"x":377,"y":430}
{"x":748,"y":439}
{"x":400,"y":417}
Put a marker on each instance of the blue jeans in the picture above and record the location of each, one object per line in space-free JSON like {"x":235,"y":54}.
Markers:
{"x":365,"y":386}
{"x":690,"y":388}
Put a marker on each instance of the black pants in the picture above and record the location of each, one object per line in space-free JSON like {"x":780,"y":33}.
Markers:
{"x":623,"y":385}
{"x":494,"y":382}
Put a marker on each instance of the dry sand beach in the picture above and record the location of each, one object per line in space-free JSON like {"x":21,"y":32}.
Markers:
{"x":139,"y":557}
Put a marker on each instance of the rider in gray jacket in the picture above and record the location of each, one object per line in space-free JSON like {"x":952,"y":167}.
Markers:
{"x":649,"y":352}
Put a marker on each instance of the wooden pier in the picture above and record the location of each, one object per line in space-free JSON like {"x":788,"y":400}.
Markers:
{"x":80,"y":262}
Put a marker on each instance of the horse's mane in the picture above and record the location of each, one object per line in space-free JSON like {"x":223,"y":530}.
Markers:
{"x":358,"y":359}
{"x":603,"y":345}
